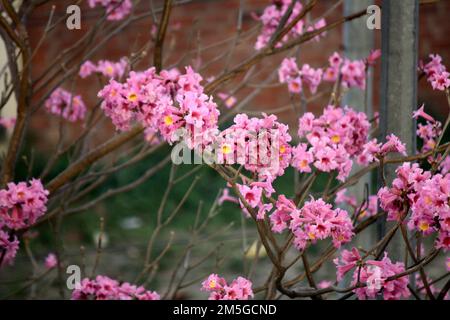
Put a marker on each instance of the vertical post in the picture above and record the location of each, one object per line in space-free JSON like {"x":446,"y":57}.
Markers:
{"x":398,"y":82}
{"x":358,"y":42}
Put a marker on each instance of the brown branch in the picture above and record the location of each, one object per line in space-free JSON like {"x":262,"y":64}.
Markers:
{"x":157,"y":57}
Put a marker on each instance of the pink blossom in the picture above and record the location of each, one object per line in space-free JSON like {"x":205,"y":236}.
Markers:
{"x":334,"y":139}
{"x":421,"y":113}
{"x":228,"y":100}
{"x":64,"y":104}
{"x":271,"y":17}
{"x":239,"y":289}
{"x":374,"y":275}
{"x":22,"y":204}
{"x":87,"y":68}
{"x":110,"y":69}
{"x":104,"y":288}
{"x":227,"y":197}
{"x":393,"y":144}
{"x":115,"y":9}
{"x":353,"y":72}
{"x":252,"y":195}
{"x":9,"y":245}
{"x":373,"y":57}
{"x":347,"y":261}
{"x":317,"y":221}
{"x":51,"y":261}
{"x":295,"y":78}
{"x":436,"y":73}
{"x":169,"y":103}
{"x":281,"y":217}
{"x":261,"y":145}
{"x":301,"y":158}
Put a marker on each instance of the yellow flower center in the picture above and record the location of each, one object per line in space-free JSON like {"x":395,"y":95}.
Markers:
{"x":109,"y":70}
{"x":212,"y":284}
{"x":132,"y":97}
{"x":311,"y":235}
{"x":229,"y":101}
{"x":424,"y":226}
{"x":303,"y":164}
{"x":226,"y":149}
{"x":428,"y":200}
{"x":168,"y":120}
{"x":336,"y":138}
{"x":282,"y":149}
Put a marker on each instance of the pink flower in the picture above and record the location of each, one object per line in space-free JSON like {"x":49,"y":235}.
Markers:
{"x":226,"y":197}
{"x":271,"y":17}
{"x":336,"y":137}
{"x":436,"y":73}
{"x":252,"y":195}
{"x":261,"y":145}
{"x":9,"y":245}
{"x":239,"y":289}
{"x":421,"y":113}
{"x":22,"y":204}
{"x":301,"y":158}
{"x":393,"y":144}
{"x":348,"y":261}
{"x":374,"y":275}
{"x":64,"y":104}
{"x":87,"y":68}
{"x":353,"y":72}
{"x":317,"y":220}
{"x":104,"y":288}
{"x":170,"y":103}
{"x":116,"y":9}
{"x":112,"y":70}
{"x":51,"y":261}
{"x":228,"y":99}
{"x":289,"y":73}
{"x":441,"y":81}
{"x":282,"y":215}
{"x":373,"y":57}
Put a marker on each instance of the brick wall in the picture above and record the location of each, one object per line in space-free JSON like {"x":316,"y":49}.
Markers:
{"x":204,"y":23}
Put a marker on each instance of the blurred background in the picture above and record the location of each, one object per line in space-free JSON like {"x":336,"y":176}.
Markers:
{"x":199,"y":32}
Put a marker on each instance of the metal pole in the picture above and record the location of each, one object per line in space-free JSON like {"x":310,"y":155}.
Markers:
{"x":398,"y":83}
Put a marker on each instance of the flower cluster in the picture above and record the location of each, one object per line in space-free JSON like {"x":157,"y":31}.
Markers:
{"x":64,"y":104}
{"x":352,"y":72}
{"x":426,"y":195}
{"x":104,"y":288}
{"x":168,"y":103}
{"x":115,"y":9}
{"x":436,"y":73}
{"x":374,"y":275}
{"x":315,"y":221}
{"x":428,"y":132}
{"x":109,"y":69}
{"x":239,"y":289}
{"x":295,"y":78}
{"x":21,"y":205}
{"x":271,"y":18}
{"x":260,"y":144}
{"x":334,"y":138}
